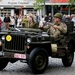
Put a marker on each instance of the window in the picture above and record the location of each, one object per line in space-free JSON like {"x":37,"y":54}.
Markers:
{"x":31,"y":11}
{"x":72,"y":9}
{"x":56,"y":8}
{"x":64,"y":9}
{"x":48,"y":9}
{"x":4,"y":11}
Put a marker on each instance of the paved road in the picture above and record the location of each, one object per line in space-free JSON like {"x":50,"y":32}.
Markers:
{"x":55,"y":67}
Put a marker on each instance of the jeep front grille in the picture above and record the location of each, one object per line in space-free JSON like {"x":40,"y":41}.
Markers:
{"x":16,"y":44}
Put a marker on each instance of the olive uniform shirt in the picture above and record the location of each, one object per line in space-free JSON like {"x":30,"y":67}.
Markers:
{"x":56,"y":32}
{"x":31,"y":25}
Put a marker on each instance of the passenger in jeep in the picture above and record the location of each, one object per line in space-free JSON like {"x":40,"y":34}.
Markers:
{"x":57,"y":27}
{"x":31,"y":22}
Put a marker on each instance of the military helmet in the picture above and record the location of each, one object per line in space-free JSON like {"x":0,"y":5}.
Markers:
{"x":58,"y":15}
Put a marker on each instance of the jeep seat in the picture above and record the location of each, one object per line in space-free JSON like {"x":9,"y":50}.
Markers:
{"x":70,"y":26}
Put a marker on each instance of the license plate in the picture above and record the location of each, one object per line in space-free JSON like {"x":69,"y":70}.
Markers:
{"x":21,"y":56}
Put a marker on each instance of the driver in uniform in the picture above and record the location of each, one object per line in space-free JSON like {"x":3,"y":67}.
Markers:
{"x":57,"y":27}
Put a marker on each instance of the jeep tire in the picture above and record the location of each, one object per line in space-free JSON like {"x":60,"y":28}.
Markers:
{"x":38,"y":60}
{"x":3,"y":63}
{"x":69,"y":56}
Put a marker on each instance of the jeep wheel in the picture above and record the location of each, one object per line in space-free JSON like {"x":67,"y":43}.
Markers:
{"x":38,"y":60}
{"x":3,"y":63}
{"x":69,"y":57}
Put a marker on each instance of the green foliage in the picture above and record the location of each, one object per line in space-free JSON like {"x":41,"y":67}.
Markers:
{"x":38,"y":4}
{"x":71,"y":2}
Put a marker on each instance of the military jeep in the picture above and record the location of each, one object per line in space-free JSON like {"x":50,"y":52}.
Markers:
{"x":34,"y":46}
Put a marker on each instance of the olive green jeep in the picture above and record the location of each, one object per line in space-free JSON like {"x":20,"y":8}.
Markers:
{"x":34,"y":47}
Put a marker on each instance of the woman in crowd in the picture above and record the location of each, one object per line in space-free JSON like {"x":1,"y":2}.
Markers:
{"x":12,"y":22}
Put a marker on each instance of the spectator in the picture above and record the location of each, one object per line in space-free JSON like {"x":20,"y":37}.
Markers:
{"x":49,"y":18}
{"x":67,"y":18}
{"x":37,"y":18}
{"x":0,"y":24}
{"x":25,"y":20}
{"x":12,"y":22}
{"x":73,"y":19}
{"x":16,"y":18}
{"x":19,"y":21}
{"x":41,"y":20}
{"x":64,"y":18}
{"x":46,"y":18}
{"x":6,"y":21}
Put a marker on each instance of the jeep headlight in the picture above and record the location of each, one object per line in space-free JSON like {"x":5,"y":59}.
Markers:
{"x":3,"y":38}
{"x":28,"y":40}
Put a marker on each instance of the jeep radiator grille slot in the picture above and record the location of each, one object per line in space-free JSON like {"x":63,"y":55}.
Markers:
{"x":16,"y":44}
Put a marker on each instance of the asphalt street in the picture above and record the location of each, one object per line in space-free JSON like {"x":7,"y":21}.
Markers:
{"x":55,"y":67}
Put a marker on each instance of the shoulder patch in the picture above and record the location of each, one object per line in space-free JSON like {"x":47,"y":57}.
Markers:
{"x":64,"y":25}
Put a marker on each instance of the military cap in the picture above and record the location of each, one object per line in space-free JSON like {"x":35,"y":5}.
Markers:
{"x":58,"y":15}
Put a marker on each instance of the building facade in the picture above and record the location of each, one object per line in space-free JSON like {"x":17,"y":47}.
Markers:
{"x":15,"y":7}
{"x":26,"y":6}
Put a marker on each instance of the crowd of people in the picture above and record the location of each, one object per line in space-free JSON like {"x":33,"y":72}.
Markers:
{"x":23,"y":21}
{"x":35,"y":21}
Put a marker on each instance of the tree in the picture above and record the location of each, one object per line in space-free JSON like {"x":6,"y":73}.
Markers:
{"x":71,"y":4}
{"x":38,"y":4}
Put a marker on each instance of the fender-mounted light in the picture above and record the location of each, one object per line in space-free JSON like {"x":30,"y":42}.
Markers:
{"x":3,"y":37}
{"x":28,"y":40}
